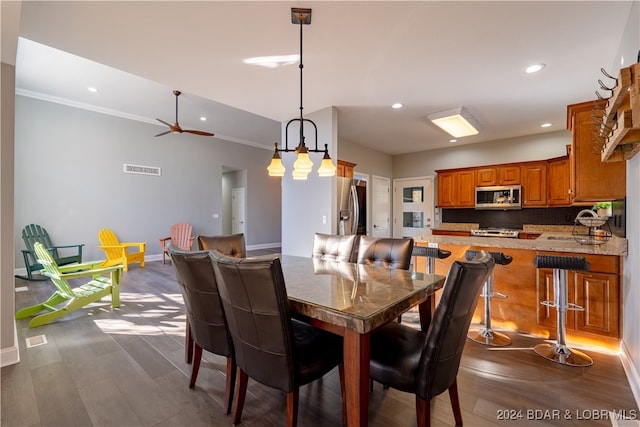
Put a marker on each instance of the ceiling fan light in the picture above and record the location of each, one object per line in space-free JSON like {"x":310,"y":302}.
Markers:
{"x":457,"y":122}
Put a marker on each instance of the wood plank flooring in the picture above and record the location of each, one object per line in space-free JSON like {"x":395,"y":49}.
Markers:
{"x":125,"y":367}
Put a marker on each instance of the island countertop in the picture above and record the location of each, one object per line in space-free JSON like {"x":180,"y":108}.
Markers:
{"x":547,"y":241}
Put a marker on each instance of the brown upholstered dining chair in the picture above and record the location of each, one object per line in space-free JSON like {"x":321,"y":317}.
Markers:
{"x":270,"y":346}
{"x":206,"y":323}
{"x":385,"y":252}
{"x":331,"y":247}
{"x":232,"y":245}
{"x":426,"y":364}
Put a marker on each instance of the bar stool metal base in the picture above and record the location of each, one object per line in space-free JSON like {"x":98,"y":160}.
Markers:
{"x":563,"y":355}
{"x":489,"y":337}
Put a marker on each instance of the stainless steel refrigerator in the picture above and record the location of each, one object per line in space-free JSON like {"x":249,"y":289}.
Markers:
{"x":352,"y":217}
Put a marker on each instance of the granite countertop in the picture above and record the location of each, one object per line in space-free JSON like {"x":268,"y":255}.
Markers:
{"x":553,"y":241}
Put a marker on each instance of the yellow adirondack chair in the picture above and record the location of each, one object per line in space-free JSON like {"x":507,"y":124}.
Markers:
{"x":180,"y":237}
{"x":117,"y":252}
{"x":94,"y":290}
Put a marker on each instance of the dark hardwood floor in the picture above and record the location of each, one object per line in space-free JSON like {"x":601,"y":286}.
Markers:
{"x":126,"y":368}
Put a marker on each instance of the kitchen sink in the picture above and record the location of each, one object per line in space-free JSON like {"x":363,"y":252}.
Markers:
{"x":560,"y":238}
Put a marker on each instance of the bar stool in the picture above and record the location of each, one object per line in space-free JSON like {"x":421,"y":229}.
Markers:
{"x":431,"y":254}
{"x":559,"y":352}
{"x":486,"y":335}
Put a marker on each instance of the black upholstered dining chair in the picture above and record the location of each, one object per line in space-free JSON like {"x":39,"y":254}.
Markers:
{"x":426,"y":364}
{"x":270,"y":346}
{"x":332,"y":247}
{"x":385,"y":252}
{"x":206,"y":324}
{"x":232,"y":245}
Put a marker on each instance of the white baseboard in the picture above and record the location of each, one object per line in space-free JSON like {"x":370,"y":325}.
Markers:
{"x":11,"y":355}
{"x":264,"y":246}
{"x":632,"y":373}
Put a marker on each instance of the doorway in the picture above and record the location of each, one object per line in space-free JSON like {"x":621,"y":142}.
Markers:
{"x":238,"y":204}
{"x":413,"y":207}
{"x":380,"y":206}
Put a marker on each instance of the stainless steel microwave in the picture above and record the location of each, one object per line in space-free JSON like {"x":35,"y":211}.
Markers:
{"x":500,"y":197}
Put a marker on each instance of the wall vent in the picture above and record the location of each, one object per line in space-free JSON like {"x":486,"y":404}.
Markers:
{"x":142,"y":170}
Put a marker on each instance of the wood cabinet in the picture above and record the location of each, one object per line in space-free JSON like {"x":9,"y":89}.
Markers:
{"x":558,"y":182}
{"x":345,"y":169}
{"x":534,"y":184}
{"x":596,"y":291}
{"x":498,"y":175}
{"x":456,"y":188}
{"x":591,"y":179}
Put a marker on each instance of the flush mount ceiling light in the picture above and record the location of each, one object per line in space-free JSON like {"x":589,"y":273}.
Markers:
{"x":534,"y":68}
{"x":303,"y":164}
{"x":457,"y":122}
{"x":273,"y":61}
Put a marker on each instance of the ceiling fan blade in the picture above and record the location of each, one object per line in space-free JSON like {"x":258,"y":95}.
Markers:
{"x":163,"y":133}
{"x":199,"y":132}
{"x":163,"y":122}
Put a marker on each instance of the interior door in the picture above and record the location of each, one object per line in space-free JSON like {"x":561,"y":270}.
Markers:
{"x":414,"y":206}
{"x":238,"y":210}
{"x":380,"y":206}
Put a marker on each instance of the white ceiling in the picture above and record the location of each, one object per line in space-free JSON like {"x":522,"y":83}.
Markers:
{"x":358,"y":56}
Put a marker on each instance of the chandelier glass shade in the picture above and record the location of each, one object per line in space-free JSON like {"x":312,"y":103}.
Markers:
{"x":303,"y":164}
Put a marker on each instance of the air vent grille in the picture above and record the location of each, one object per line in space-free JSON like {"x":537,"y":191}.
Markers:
{"x":142,"y":170}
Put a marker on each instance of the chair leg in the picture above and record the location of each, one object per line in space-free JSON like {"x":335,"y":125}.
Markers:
{"x":188,"y":343}
{"x":292,"y":408}
{"x":455,"y":402}
{"x":230,"y":384}
{"x":241,"y":392}
{"x":343,"y":393}
{"x":197,"y":358}
{"x":423,"y":412}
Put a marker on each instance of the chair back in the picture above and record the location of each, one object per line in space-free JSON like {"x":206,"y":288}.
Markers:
{"x":33,"y":233}
{"x":194,"y":271}
{"x":330,"y":247}
{"x":108,"y":238}
{"x":181,"y":235}
{"x":52,"y":271}
{"x":385,"y":252}
{"x":232,"y":245}
{"x":255,"y":302}
{"x":447,"y":332}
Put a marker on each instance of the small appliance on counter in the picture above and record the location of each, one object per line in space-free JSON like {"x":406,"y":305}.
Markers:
{"x":590,"y":229}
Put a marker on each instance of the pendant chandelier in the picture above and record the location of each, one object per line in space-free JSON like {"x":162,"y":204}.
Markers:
{"x":303,"y":164}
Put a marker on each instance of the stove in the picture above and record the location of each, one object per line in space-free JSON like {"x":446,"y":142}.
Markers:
{"x":496,"y":232}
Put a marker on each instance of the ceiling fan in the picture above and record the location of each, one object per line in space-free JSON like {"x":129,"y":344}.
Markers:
{"x":175,"y":128}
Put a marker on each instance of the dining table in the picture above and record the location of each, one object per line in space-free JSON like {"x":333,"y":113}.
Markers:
{"x":352,"y":300}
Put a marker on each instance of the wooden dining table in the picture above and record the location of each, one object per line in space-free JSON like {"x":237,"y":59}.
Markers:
{"x":352,"y":300}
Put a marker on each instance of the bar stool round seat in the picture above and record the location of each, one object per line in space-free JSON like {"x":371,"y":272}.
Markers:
{"x":559,"y":352}
{"x":486,"y":335}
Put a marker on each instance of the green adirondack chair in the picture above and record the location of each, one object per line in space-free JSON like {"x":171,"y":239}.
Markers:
{"x":33,"y":233}
{"x":98,"y":286}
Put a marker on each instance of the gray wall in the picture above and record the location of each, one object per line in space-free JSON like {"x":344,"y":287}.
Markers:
{"x":368,"y":161}
{"x":533,"y":147}
{"x":69,"y":178}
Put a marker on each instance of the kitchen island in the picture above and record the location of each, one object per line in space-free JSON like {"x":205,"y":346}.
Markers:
{"x":598,"y":291}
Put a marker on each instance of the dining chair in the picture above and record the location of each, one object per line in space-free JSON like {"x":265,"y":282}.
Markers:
{"x":426,"y":363}
{"x":271,"y":347}
{"x":180,"y":237}
{"x":231,"y":245}
{"x":386,"y":252}
{"x":332,"y":247}
{"x":205,"y":316}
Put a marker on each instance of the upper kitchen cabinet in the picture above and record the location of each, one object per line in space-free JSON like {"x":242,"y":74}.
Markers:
{"x":559,"y":185}
{"x":345,"y":169}
{"x":498,"y":175}
{"x":534,"y":184}
{"x":456,"y":188}
{"x":591,"y":179}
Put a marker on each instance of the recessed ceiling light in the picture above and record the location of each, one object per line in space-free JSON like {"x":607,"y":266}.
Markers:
{"x":92,"y":89}
{"x":545,"y":125}
{"x":534,"y":68}
{"x":396,"y":105}
{"x":453,"y":140}
{"x":273,"y":61}
{"x":203,"y":119}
